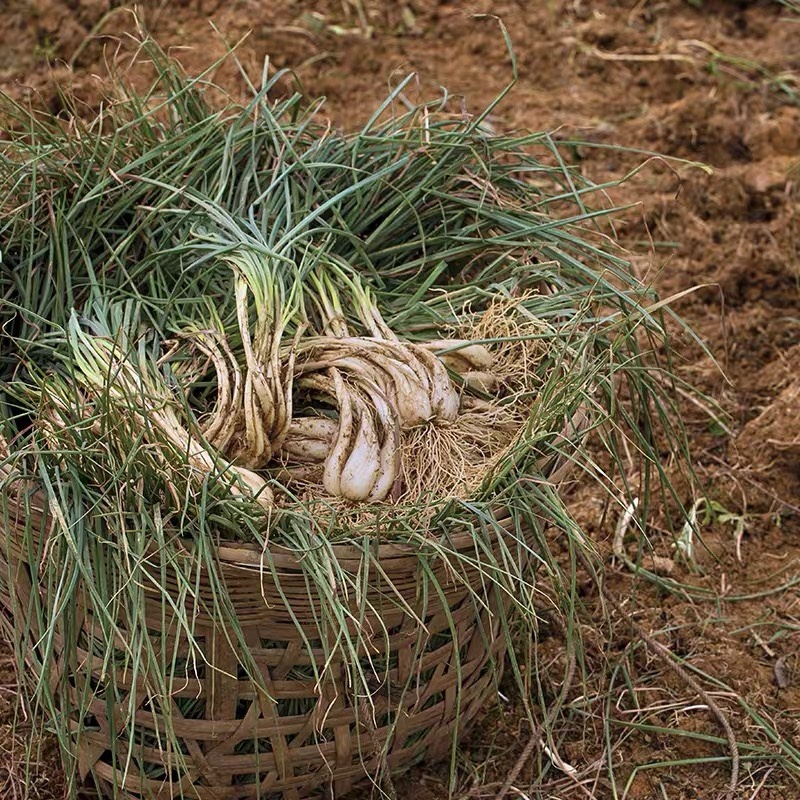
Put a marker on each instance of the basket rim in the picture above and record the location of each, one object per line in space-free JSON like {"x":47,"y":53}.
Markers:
{"x":249,"y":556}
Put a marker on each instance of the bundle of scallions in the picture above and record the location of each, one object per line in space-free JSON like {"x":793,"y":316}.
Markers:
{"x":240,"y":324}
{"x":295,"y":313}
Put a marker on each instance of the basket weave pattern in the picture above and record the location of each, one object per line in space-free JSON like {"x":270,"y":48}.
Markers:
{"x":294,"y":736}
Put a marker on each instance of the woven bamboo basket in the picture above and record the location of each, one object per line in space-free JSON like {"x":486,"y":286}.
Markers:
{"x":239,"y":743}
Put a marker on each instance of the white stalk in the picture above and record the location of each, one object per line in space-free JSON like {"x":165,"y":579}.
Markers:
{"x":444,"y":397}
{"x":467,"y":357}
{"x":361,"y":468}
{"x":334,"y":464}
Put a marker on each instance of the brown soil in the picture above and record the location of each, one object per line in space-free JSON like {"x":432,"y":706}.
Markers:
{"x":711,"y":81}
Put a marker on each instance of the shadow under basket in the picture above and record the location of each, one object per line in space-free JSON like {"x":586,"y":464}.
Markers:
{"x":286,"y":735}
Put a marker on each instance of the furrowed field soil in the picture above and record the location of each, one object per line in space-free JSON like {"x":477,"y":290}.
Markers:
{"x":705,"y":81}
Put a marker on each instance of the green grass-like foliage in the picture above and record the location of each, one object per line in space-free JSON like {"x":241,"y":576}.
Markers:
{"x":123,"y":225}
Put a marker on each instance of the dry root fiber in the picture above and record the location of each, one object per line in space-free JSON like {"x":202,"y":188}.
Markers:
{"x":449,"y":459}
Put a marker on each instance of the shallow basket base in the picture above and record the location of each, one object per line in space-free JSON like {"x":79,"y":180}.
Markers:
{"x":429,"y":672}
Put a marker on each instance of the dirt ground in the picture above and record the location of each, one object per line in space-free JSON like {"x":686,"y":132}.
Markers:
{"x":702,"y":80}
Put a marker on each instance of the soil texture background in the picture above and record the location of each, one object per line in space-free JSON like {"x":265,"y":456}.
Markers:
{"x":704,"y":81}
